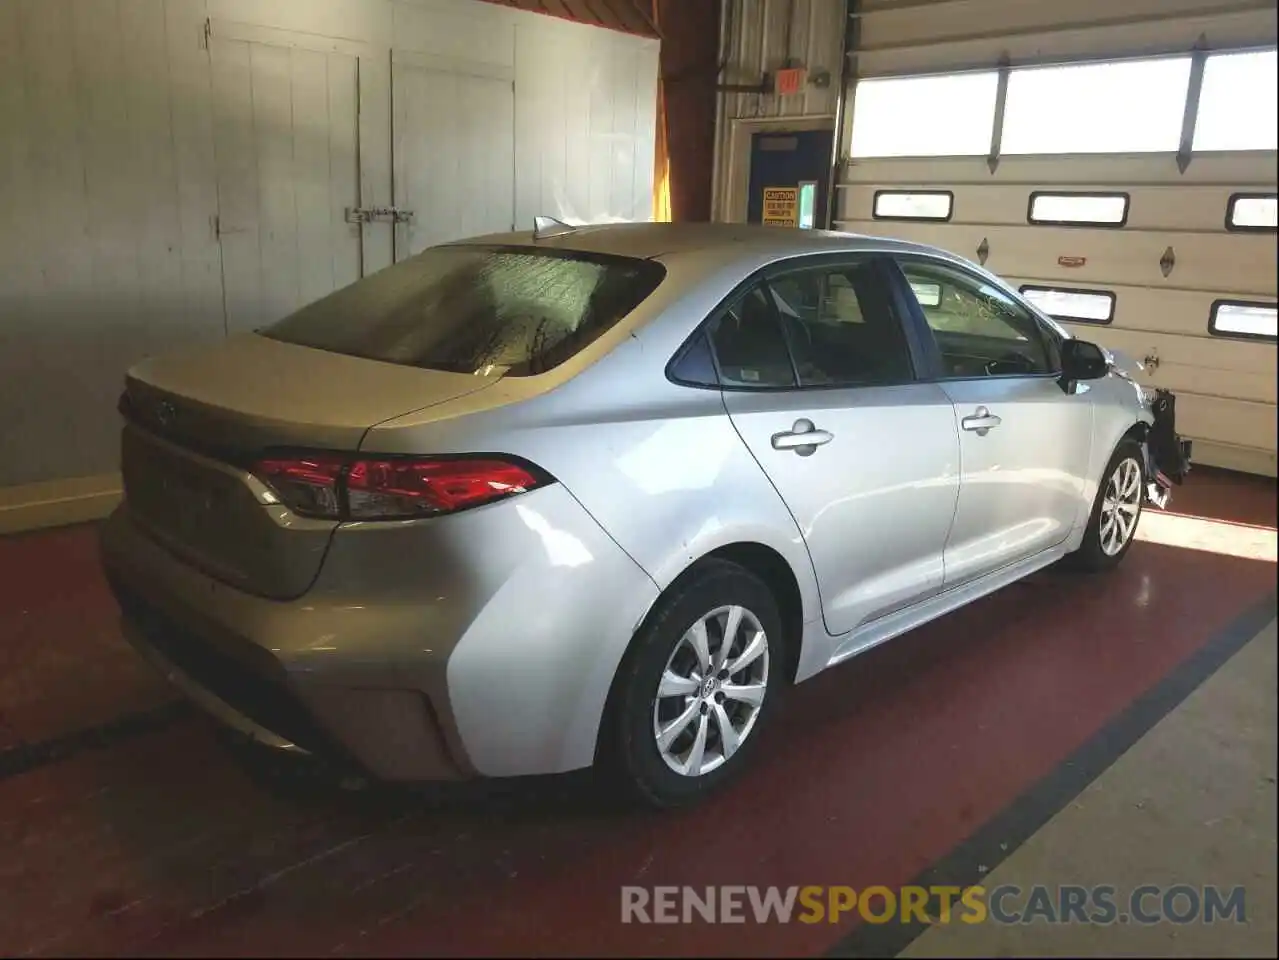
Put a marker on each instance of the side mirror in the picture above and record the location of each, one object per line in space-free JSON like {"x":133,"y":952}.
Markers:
{"x":1081,"y":360}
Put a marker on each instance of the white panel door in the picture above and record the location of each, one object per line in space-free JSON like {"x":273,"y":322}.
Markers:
{"x":454,"y":154}
{"x":286,"y":139}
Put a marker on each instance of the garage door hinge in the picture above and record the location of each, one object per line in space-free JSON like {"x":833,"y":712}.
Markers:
{"x":1168,"y":261}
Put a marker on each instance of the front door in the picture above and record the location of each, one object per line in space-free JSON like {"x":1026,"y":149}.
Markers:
{"x":1024,"y":441}
{"x":819,"y":382}
{"x":789,"y":176}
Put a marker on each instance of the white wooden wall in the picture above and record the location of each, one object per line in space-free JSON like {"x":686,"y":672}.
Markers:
{"x":112,"y":191}
{"x":107,"y":201}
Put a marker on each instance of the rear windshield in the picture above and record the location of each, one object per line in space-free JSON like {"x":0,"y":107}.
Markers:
{"x":517,"y":311}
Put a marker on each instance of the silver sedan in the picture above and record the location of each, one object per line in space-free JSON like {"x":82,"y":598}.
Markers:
{"x":598,"y":496}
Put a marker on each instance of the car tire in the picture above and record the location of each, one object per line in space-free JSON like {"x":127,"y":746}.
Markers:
{"x":1105,"y":544}
{"x":643,"y":762}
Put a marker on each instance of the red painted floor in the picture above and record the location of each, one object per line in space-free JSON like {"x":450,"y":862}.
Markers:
{"x":169,"y":844}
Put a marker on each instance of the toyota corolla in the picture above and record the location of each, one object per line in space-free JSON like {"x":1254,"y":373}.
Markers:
{"x":599,"y":496}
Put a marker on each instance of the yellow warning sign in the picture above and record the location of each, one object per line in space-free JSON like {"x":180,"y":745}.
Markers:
{"x":781,"y":206}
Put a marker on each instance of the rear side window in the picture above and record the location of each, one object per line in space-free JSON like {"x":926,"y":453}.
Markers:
{"x":750,"y":345}
{"x":841,"y":328}
{"x":517,"y":311}
{"x":695,"y":366}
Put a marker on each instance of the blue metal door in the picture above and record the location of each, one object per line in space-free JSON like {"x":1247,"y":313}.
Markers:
{"x":793,"y":169}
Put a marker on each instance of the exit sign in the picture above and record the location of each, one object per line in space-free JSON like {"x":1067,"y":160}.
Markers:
{"x":791,"y":81}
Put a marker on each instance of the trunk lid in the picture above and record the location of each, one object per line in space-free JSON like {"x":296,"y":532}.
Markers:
{"x":196,"y":423}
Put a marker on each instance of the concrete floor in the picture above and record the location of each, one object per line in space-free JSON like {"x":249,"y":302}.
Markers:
{"x":1193,"y":802}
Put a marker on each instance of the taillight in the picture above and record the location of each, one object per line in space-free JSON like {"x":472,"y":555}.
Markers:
{"x":392,"y":489}
{"x":309,"y":486}
{"x":410,"y":488}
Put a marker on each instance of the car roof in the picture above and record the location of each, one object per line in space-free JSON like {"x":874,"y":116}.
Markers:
{"x":663,"y":241}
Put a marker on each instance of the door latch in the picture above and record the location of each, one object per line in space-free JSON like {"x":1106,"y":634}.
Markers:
{"x":378,"y":215}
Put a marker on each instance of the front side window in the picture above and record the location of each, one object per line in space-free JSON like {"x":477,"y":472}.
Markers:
{"x":516,"y":311}
{"x":980,"y":331}
{"x":841,"y":327}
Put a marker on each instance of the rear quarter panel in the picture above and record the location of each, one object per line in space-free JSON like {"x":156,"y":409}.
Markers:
{"x":658,"y":465}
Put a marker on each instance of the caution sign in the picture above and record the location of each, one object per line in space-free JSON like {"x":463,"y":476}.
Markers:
{"x":781,"y":206}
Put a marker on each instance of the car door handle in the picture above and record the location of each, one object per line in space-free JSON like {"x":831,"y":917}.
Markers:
{"x":981,"y":422}
{"x":803,"y":438}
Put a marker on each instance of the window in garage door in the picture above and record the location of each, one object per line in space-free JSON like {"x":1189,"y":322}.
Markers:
{"x":1238,"y":102}
{"x":1074,"y":306}
{"x":1244,"y":320}
{"x":946,"y":115}
{"x":1257,"y":212}
{"x":1132,"y":107}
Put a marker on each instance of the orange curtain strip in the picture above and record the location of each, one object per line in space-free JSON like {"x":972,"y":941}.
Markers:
{"x":662,"y":157}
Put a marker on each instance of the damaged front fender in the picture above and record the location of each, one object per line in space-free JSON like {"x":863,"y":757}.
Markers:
{"x":1167,"y":453}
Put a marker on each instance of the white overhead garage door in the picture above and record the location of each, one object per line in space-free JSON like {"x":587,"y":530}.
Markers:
{"x":1127,"y":186}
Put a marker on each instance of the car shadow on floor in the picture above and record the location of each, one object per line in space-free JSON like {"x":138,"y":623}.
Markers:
{"x":312,"y":782}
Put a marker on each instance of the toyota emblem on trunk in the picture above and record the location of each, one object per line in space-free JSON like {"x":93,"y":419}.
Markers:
{"x":165,"y":413}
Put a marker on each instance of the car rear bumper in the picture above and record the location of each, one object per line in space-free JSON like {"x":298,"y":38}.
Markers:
{"x":485,"y":645}
{"x":388,"y":732}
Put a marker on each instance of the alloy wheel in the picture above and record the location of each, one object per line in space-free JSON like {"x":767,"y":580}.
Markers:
{"x":1120,"y":507}
{"x":711,"y":691}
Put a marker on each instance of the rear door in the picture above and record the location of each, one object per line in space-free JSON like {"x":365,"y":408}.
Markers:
{"x":1025,"y":443}
{"x":818,"y":376}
